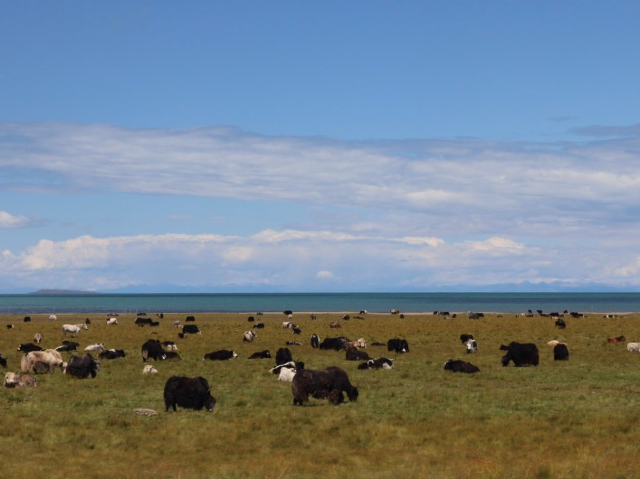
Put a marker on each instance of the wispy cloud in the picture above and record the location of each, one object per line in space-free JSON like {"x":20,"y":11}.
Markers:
{"x":300,"y":260}
{"x":490,"y":186}
{"x":420,"y":212}
{"x":8,"y":220}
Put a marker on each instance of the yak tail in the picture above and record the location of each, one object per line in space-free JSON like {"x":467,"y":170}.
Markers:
{"x":145,"y":354}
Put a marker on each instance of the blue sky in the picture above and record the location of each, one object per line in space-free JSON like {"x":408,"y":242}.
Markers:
{"x":319,"y":146}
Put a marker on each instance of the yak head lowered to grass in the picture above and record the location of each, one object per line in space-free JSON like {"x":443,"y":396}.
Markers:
{"x":327,"y":383}
{"x":192,"y":393}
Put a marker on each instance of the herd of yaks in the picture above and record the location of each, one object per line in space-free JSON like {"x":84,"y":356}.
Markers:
{"x":194,"y":393}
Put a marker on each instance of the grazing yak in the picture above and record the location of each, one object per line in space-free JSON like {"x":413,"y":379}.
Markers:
{"x":172,"y":356}
{"x":560,"y":324}
{"x":619,"y":339}
{"x":283,"y":355}
{"x":112,"y":321}
{"x":112,"y":354}
{"x":287,"y":371}
{"x":633,"y":347}
{"x":560,"y":352}
{"x":53,"y":317}
{"x":189,"y":319}
{"x":458,"y":366}
{"x":521,"y":354}
{"x":191,"y":393}
{"x":354,"y":354}
{"x":249,"y":336}
{"x":259,"y":326}
{"x":149,"y":369}
{"x":68,"y":346}
{"x":73,"y":328}
{"x":142,"y":321}
{"x":337,"y":344}
{"x":465,"y":337}
{"x":26,"y":319}
{"x":222,"y":355}
{"x":152,"y":349}
{"x":293,"y":343}
{"x":261,"y":355}
{"x":398,"y":345}
{"x":190,"y":329}
{"x":334,"y":325}
{"x":315,"y":341}
{"x":82,"y":366}
{"x":3,"y":361}
{"x":95,"y":348}
{"x":380,"y":363}
{"x":28,"y":347}
{"x":41,"y":361}
{"x":13,"y":380}
{"x":327,"y":383}
{"x":472,"y":346}
{"x":37,"y":338}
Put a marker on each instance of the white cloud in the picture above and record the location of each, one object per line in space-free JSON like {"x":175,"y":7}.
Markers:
{"x":238,"y":253}
{"x":415,"y":212}
{"x":473,"y":186}
{"x":422,"y":241}
{"x":8,"y":220}
{"x":631,"y":268}
{"x":325,"y":274}
{"x":304,"y":260}
{"x":271,"y":236}
{"x":496,"y":245}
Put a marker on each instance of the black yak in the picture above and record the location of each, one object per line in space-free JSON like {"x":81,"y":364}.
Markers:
{"x":457,"y":366}
{"x":82,"y":366}
{"x":521,"y":354}
{"x":327,"y":383}
{"x":192,"y":393}
{"x":560,"y":352}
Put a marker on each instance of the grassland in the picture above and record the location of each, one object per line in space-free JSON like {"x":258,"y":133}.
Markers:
{"x":562,"y":419}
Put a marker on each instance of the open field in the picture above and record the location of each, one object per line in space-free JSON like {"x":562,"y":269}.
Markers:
{"x":562,"y":419}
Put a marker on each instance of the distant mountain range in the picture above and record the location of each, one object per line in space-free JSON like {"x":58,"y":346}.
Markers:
{"x":525,"y":287}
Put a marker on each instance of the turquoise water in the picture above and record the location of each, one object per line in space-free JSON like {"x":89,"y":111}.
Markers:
{"x":373,"y":302}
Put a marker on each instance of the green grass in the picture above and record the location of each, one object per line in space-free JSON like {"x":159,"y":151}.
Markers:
{"x":571,"y":419}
